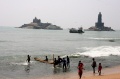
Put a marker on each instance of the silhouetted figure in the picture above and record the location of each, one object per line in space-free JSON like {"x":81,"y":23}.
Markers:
{"x":64,"y":64}
{"x":94,"y":65}
{"x":46,"y":59}
{"x":59,"y":60}
{"x":99,"y":68}
{"x":80,"y":69}
{"x":28,"y":58}
{"x":68,"y":62}
{"x":55,"y":62}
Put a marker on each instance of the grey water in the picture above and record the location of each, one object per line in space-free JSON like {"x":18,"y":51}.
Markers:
{"x":17,"y":43}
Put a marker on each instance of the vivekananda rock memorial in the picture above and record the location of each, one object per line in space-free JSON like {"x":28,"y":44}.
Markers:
{"x":99,"y":26}
{"x":37,"y":24}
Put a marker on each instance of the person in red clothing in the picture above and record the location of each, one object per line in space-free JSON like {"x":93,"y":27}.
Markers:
{"x":99,"y":68}
{"x":80,"y":69}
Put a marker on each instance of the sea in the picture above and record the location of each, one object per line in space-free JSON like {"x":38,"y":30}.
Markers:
{"x":17,"y":43}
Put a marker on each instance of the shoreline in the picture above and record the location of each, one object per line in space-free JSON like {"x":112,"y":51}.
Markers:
{"x":107,"y":73}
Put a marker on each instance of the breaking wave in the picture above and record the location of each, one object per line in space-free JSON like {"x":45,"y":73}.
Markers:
{"x":99,"y":51}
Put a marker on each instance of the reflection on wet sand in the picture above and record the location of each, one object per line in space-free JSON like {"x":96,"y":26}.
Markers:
{"x":60,"y":70}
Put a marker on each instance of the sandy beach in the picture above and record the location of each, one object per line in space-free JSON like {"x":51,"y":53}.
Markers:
{"x":107,"y":73}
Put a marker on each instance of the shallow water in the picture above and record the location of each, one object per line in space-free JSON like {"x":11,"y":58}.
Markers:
{"x":16,"y":44}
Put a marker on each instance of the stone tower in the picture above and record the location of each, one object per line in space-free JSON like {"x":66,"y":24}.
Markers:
{"x":36,"y":20}
{"x":99,"y":24}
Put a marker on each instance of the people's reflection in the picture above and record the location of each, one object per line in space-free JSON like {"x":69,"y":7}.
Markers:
{"x":27,"y":68}
{"x":56,"y":70}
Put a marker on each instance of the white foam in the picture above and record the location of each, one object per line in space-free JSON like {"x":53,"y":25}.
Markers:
{"x":104,"y":38}
{"x":22,"y":63}
{"x":99,"y":51}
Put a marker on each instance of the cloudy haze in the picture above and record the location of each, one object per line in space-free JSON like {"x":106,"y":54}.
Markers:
{"x":64,"y":13}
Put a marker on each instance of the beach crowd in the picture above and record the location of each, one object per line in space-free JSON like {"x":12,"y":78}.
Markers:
{"x":65,"y":64}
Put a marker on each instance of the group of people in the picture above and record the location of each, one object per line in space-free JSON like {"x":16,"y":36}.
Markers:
{"x":63,"y":61}
{"x":94,"y":65}
{"x":60,"y":61}
{"x":66,"y":64}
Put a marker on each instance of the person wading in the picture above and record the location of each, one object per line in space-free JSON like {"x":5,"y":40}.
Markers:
{"x":28,"y":58}
{"x":68,"y":62}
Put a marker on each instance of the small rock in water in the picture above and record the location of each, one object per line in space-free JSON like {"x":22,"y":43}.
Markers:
{"x":111,"y":40}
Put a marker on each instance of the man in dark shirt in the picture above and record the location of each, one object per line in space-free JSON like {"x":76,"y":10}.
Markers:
{"x":93,"y":65}
{"x":28,"y":58}
{"x":64,"y":64}
{"x":59,"y":60}
{"x":68,"y":62}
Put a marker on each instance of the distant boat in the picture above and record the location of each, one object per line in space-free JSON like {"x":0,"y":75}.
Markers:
{"x":73,"y":30}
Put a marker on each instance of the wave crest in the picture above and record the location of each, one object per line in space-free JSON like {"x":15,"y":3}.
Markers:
{"x":99,"y":51}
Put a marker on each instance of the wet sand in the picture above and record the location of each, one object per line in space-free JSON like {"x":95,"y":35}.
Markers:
{"x":107,"y":73}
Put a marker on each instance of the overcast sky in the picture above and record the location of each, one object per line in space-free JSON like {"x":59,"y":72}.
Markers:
{"x":64,"y":13}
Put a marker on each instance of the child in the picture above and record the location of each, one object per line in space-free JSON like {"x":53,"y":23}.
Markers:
{"x":99,"y":68}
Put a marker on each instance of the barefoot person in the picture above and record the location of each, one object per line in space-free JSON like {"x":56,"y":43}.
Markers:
{"x":93,"y":65}
{"x":28,"y":58}
{"x":99,"y":68}
{"x":80,"y":69}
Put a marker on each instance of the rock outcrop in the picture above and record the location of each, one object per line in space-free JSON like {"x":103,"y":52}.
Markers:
{"x":37,"y":24}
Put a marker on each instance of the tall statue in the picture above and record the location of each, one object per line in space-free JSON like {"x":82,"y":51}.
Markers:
{"x":99,"y":24}
{"x":99,"y":17}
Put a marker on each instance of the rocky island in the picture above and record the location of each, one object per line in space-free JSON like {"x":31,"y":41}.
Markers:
{"x":99,"y":26}
{"x":37,"y":24}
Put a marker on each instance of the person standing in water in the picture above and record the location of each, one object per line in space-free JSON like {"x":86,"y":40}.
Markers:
{"x":55,"y":62}
{"x":59,"y":60}
{"x":99,"y":68}
{"x":93,"y":65}
{"x":68,"y":62}
{"x":46,"y":59}
{"x":28,"y":58}
{"x":64,"y":64}
{"x":80,"y":69}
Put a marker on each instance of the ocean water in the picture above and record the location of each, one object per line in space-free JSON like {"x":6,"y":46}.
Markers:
{"x":17,"y":43}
